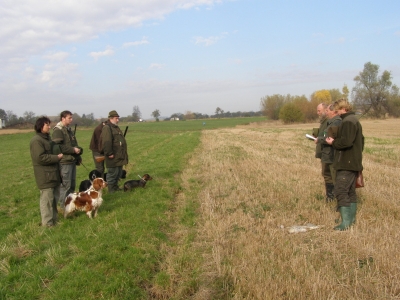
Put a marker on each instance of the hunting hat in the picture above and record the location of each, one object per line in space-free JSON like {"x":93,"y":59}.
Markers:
{"x":113,"y":114}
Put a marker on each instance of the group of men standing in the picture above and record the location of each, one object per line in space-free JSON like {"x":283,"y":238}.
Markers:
{"x":55,"y":158}
{"x":339,"y":145}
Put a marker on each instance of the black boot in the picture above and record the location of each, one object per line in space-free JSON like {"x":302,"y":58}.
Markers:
{"x":329,"y":192}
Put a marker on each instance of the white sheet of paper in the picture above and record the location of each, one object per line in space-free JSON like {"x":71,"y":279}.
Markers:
{"x":310,"y":137}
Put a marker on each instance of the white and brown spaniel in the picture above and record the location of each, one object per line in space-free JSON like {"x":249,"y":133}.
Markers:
{"x":88,"y":201}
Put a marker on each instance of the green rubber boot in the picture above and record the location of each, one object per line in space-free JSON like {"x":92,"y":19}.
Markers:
{"x":347,"y":218}
{"x":353,"y":206}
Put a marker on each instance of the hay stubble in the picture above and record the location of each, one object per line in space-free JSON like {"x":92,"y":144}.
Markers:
{"x":253,"y":182}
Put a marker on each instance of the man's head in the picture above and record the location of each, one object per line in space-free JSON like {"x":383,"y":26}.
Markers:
{"x":342,"y":106}
{"x":113,"y":116}
{"x":66,"y":117}
{"x":321,"y":110}
{"x":331,"y":112}
{"x":42,"y":125}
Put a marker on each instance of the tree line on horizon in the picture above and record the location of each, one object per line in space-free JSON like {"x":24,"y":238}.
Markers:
{"x":373,"y":96}
{"x":29,"y":117}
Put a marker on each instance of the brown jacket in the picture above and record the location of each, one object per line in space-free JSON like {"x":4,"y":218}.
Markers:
{"x":94,"y":142}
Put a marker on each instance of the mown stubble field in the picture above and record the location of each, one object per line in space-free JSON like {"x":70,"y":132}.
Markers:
{"x":250,"y":184}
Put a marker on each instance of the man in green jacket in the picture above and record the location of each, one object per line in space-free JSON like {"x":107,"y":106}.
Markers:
{"x":65,"y":139}
{"x":320,"y":139}
{"x":327,"y":151}
{"x":348,"y":145}
{"x":114,"y":146}
{"x":46,"y":170}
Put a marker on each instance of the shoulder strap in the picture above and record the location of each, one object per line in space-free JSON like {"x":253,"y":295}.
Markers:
{"x":109,"y":126}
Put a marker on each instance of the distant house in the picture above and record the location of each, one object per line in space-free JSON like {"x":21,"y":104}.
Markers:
{"x":2,"y":123}
{"x":174,"y":119}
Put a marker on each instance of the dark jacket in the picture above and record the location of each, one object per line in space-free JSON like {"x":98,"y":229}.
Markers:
{"x":328,"y":150}
{"x":45,"y":164}
{"x":94,"y":142}
{"x":349,"y":144}
{"x":321,"y":131}
{"x":65,"y":138}
{"x":114,"y":143}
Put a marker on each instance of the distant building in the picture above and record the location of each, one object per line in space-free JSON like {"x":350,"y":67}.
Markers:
{"x":174,"y":119}
{"x":2,"y":123}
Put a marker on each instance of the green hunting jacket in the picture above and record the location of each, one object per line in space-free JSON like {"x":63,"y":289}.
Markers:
{"x":328,"y":151}
{"x":321,"y":135}
{"x":65,"y":138}
{"x":349,"y":144}
{"x":114,"y":143}
{"x":45,"y":164}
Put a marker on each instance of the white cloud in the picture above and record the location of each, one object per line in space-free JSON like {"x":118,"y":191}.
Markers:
{"x":155,"y":66}
{"x":31,"y":26}
{"x":143,"y":41}
{"x":199,"y":40}
{"x":59,"y":75}
{"x":97,"y":55}
{"x":57,"y":56}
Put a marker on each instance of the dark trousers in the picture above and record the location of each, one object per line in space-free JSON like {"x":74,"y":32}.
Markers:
{"x":113,"y":175}
{"x":345,"y":187}
{"x":326,"y":172}
{"x":68,"y":174}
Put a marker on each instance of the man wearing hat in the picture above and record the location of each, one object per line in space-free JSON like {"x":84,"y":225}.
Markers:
{"x":115,"y":150}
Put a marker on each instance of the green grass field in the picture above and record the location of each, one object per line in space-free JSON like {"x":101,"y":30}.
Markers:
{"x":118,"y":254}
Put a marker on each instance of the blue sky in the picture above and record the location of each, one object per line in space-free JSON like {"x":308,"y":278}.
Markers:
{"x":186,"y":55}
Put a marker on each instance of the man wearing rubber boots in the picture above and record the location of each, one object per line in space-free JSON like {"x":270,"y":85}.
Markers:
{"x":348,"y":145}
{"x":319,"y":141}
{"x":327,"y":151}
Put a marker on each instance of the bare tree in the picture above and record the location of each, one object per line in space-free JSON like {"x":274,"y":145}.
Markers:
{"x":29,"y":116}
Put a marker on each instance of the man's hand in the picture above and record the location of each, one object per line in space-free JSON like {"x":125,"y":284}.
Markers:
{"x":329,"y":140}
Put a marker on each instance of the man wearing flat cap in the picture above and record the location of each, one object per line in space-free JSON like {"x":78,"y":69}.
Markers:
{"x":115,"y":151}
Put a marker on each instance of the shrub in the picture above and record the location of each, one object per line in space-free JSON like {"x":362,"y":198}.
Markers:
{"x":290,"y":113}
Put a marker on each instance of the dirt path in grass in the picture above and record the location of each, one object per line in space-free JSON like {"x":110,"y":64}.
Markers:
{"x":14,"y":131}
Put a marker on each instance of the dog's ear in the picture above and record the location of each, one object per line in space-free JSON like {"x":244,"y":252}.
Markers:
{"x":97,"y":183}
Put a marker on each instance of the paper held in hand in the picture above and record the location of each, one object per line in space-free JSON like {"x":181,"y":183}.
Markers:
{"x":310,"y":137}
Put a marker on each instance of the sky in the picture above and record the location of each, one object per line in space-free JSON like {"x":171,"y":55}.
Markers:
{"x":176,"y":56}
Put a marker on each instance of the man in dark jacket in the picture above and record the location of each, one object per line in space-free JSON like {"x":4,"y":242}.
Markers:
{"x":68,"y":145}
{"x":327,"y":151}
{"x":46,"y":170}
{"x":348,"y":145}
{"x":320,"y":139}
{"x":94,"y":146}
{"x":115,"y":151}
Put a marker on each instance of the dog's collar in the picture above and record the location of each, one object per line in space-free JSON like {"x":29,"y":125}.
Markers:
{"x":141,"y":178}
